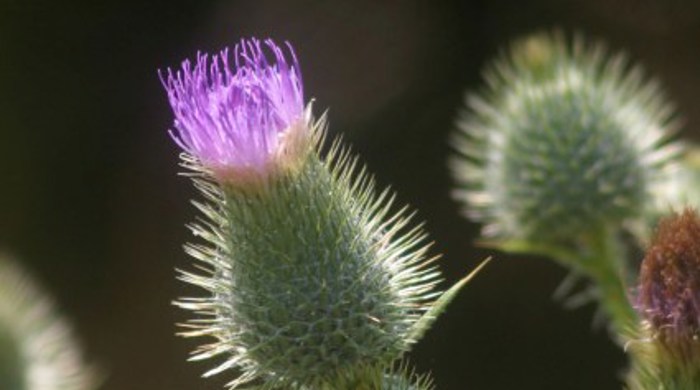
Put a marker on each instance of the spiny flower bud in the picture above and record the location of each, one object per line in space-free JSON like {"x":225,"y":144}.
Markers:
{"x":669,"y":294}
{"x":37,"y":348}
{"x":562,"y":141}
{"x":312,"y":279}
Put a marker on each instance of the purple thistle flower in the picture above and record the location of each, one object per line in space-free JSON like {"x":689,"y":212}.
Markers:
{"x":669,"y":288}
{"x":234,"y":121}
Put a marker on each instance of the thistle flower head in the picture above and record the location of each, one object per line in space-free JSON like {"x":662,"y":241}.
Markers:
{"x":562,"y":141}
{"x":37,"y":348}
{"x":317,"y":281}
{"x":668,"y":302}
{"x":241,"y":122}
{"x":669,"y":286}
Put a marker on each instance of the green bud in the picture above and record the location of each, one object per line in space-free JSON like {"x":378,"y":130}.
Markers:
{"x":563,"y":141}
{"x":310,"y":278}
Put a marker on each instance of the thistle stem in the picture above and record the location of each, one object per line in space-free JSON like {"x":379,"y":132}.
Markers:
{"x":604,"y":264}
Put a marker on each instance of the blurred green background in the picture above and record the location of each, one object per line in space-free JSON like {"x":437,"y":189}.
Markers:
{"x":90,"y":198}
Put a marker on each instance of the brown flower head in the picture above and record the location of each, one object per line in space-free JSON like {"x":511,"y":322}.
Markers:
{"x":669,"y":290}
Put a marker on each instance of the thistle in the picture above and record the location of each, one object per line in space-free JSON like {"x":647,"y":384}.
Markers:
{"x":668,"y":301}
{"x":566,"y":149}
{"x":38,"y":350}
{"x":563,"y":142}
{"x":310,"y":277}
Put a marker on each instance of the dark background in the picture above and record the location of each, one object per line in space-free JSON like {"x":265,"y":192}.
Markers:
{"x":91,"y":202}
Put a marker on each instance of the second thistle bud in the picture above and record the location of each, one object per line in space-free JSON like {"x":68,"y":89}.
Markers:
{"x":562,"y":142}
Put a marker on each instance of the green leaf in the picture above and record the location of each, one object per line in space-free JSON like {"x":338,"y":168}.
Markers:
{"x":426,"y":321}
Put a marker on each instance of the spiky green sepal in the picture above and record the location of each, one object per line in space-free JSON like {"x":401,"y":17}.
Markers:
{"x":311,"y":277}
{"x":393,"y":377}
{"x":563,"y":140}
{"x":656,"y":366}
{"x":377,"y":377}
{"x":37,"y":348}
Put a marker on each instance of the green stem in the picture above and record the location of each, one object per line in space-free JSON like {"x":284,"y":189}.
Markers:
{"x":602,"y":260}
{"x":605,"y":265}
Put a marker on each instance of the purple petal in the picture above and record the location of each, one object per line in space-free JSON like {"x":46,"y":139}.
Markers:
{"x":232,"y":117}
